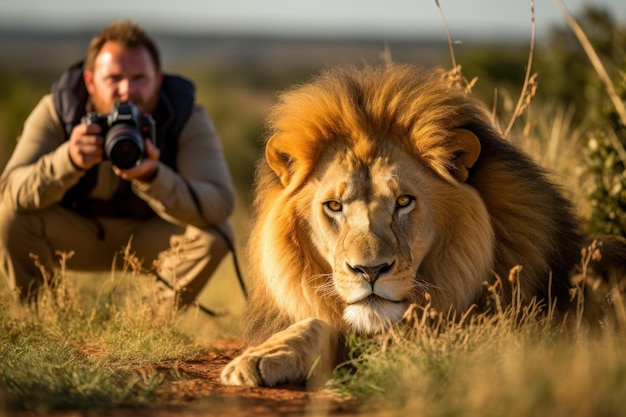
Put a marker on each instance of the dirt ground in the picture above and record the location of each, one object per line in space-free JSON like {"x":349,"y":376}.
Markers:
{"x":199,"y":393}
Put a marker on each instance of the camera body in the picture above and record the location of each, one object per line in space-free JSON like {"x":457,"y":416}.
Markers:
{"x":124,"y":130}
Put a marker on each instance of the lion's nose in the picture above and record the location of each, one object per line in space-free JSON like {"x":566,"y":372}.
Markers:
{"x":371,"y":273}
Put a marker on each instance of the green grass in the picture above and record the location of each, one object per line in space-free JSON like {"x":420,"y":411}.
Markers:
{"x":91,"y":342}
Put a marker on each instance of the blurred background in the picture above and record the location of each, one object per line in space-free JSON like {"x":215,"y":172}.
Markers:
{"x":240,"y":53}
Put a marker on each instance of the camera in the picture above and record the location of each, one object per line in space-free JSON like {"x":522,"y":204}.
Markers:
{"x":124,"y":130}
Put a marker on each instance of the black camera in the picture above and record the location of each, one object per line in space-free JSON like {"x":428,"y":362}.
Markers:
{"x":124,"y":130}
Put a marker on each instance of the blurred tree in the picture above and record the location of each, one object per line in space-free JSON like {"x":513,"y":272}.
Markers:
{"x":606,"y":164}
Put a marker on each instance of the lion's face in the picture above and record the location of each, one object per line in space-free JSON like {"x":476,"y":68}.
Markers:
{"x":373,"y":225}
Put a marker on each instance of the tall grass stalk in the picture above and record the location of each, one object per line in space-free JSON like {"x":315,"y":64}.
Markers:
{"x":596,"y":62}
{"x":529,"y":80}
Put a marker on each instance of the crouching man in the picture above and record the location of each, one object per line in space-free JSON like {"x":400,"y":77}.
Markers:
{"x":118,"y":152}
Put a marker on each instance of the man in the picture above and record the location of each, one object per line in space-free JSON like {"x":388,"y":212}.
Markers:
{"x":59,"y":191}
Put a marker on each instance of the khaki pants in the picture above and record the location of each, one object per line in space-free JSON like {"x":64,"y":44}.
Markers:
{"x":186,"y":256}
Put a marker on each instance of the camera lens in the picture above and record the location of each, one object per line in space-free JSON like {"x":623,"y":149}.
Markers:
{"x":123,"y":145}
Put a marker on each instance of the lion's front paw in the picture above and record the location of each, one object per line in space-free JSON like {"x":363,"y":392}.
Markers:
{"x":243,"y":371}
{"x":305,"y":352}
{"x":267,"y":368}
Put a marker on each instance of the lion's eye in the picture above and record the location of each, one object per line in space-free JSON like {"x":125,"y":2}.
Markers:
{"x":404,"y":201}
{"x":333,"y":205}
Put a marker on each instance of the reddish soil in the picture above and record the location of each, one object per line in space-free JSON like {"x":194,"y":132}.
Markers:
{"x":198,"y":392}
{"x":201,"y":392}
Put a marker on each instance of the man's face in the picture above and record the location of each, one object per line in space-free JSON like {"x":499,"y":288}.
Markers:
{"x":122,"y":74}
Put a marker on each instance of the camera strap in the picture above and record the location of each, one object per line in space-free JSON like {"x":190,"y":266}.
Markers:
{"x":231,"y":246}
{"x":227,"y":239}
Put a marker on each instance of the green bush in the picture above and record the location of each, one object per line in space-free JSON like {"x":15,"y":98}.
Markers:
{"x":606,"y":164}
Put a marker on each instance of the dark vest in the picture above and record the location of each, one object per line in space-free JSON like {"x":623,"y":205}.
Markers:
{"x":176,"y":102}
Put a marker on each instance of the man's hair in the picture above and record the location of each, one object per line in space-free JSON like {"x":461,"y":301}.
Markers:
{"x":127,"y":33}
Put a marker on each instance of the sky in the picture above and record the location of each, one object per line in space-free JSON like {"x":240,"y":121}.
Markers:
{"x":382,"y":18}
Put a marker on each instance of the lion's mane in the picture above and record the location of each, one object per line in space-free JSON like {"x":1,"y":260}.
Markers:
{"x":533,"y":225}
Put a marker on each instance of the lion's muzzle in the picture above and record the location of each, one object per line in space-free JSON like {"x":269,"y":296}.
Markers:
{"x":371,"y":273}
{"x":374,"y":300}
{"x":366,"y":281}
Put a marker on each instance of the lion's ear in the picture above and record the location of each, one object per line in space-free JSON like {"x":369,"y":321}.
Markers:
{"x":280,"y":162}
{"x":465,"y":149}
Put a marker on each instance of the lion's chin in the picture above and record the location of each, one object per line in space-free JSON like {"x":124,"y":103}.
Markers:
{"x":373,"y":316}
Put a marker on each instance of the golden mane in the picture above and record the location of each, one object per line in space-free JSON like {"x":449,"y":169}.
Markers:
{"x":415,"y":106}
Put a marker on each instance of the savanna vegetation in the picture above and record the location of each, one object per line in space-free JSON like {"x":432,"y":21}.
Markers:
{"x":94,"y":342}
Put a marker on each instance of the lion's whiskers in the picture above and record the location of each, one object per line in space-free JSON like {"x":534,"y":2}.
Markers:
{"x":325,"y":287}
{"x":421,"y":287}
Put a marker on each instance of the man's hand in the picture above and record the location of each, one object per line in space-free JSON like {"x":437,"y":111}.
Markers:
{"x":147,"y":168}
{"x":86,"y":148}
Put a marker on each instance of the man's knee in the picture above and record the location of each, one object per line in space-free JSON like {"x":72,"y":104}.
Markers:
{"x":18,"y":233}
{"x":212,"y":242}
{"x":192,"y":259}
{"x":12,"y":224}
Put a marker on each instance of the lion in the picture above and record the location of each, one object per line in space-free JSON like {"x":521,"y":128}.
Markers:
{"x":382,"y":188}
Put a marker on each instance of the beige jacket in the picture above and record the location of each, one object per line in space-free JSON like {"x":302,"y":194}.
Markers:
{"x":40,"y":172}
